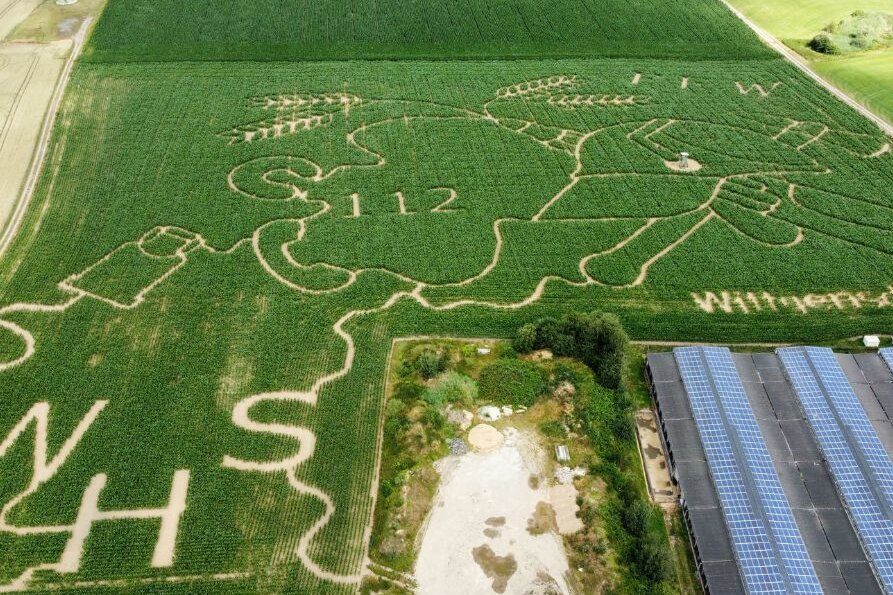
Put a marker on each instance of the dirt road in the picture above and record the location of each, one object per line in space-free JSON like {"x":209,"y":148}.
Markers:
{"x":33,"y":77}
{"x":803,"y":65}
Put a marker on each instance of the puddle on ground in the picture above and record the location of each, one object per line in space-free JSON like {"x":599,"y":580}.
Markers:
{"x":498,"y":568}
{"x":68,"y":26}
{"x":543,"y":519}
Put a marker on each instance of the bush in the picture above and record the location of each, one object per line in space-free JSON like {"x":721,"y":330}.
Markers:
{"x":434,"y":419}
{"x":525,"y":339}
{"x":636,"y":518}
{"x":452,"y":387}
{"x":511,"y":382}
{"x":429,"y":363}
{"x":405,"y":369}
{"x":653,"y":560}
{"x":823,"y":44}
{"x":408,"y":391}
{"x":394,"y":409}
{"x":394,"y":419}
{"x":552,"y":429}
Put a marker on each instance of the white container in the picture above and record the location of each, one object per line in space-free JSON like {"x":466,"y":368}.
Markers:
{"x":489,"y":413}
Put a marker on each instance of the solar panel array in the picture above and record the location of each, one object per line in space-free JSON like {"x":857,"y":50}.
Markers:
{"x":887,"y":355}
{"x":862,"y":471}
{"x":768,"y":545}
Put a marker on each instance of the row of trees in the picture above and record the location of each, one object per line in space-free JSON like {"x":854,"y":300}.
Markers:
{"x":595,"y":338}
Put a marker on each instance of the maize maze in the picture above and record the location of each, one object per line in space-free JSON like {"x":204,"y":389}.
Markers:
{"x":196,"y":314}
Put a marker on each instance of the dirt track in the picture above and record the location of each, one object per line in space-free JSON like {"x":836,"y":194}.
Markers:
{"x":35,"y":76}
{"x":793,"y":57}
{"x":28,"y":76}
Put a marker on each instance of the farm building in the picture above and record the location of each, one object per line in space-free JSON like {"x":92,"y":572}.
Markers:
{"x":788,"y":452}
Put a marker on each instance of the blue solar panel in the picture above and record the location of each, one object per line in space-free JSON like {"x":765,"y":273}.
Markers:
{"x":768,"y":546}
{"x":860,"y":467}
{"x":887,"y":354}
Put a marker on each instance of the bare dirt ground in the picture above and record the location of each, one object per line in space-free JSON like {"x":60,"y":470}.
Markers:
{"x":692,"y":166}
{"x":51,"y":22}
{"x":656,"y":472}
{"x":490,"y":529}
{"x":13,"y":12}
{"x":564,"y":502}
{"x":28,"y":76}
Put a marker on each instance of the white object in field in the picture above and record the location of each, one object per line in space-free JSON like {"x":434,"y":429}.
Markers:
{"x":683,"y":160}
{"x":489,"y":413}
{"x":484,"y":350}
{"x":872,"y":341}
{"x":506,"y":411}
{"x":66,"y":2}
{"x":562,"y":453}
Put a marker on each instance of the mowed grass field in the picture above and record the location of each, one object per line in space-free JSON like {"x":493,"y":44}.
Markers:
{"x":196,"y":316}
{"x":868,"y":77}
{"x":802,"y":19}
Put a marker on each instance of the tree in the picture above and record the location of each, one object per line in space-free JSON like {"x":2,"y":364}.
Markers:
{"x":525,"y":339}
{"x":596,"y":338}
{"x":429,"y":364}
{"x":546,"y":333}
{"x":653,"y":559}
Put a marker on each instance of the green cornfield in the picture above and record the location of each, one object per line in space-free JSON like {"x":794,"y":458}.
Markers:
{"x":219,"y":255}
{"x":172,"y":30}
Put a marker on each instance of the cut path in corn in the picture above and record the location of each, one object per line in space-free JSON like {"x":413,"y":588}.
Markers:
{"x":569,"y":142}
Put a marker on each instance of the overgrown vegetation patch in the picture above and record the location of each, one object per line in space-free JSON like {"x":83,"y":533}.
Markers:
{"x":623,"y":544}
{"x":859,"y":32}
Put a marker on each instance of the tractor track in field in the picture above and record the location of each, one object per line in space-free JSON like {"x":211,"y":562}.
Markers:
{"x":17,"y":216}
{"x":798,"y":61}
